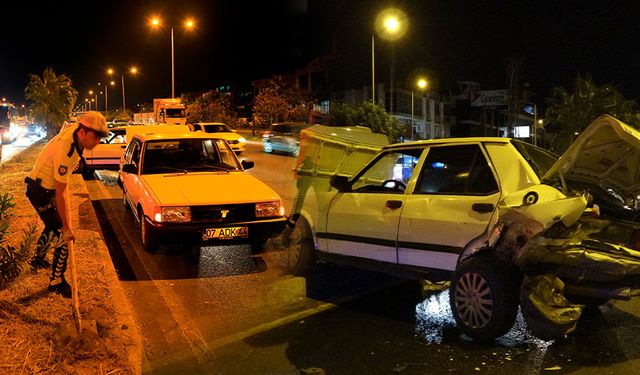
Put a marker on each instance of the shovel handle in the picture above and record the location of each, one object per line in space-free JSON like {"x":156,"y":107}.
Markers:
{"x":75,"y":302}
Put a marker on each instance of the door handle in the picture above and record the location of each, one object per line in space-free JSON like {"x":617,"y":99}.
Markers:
{"x":393,"y":204}
{"x":482,"y":207}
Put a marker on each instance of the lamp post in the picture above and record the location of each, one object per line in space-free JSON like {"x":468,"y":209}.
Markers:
{"x":188,"y":24}
{"x":422,"y":84}
{"x":91,"y":92}
{"x":133,"y":70}
{"x":390,"y":24}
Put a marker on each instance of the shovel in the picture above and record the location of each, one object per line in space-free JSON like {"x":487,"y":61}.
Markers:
{"x":83,"y":332}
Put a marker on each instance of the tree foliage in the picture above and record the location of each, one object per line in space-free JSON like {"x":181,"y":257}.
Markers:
{"x":280,"y":101}
{"x":53,"y":99}
{"x":211,"y":106}
{"x":13,"y":259}
{"x":366,"y":114}
{"x":572,"y":112}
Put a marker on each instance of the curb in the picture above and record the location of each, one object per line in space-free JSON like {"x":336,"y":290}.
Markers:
{"x":122,"y":307}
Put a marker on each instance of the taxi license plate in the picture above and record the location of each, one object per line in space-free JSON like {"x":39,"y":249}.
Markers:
{"x":225,"y":233}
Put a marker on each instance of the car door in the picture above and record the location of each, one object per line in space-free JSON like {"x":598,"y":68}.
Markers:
{"x":363,"y":222}
{"x":131,"y":181}
{"x":452,"y":203}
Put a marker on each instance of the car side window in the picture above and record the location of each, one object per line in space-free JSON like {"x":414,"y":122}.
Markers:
{"x":135,"y":153}
{"x":389,"y":173}
{"x":128,"y":152}
{"x":461,"y":169}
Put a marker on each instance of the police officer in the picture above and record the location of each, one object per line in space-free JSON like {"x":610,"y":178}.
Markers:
{"x":46,"y":190}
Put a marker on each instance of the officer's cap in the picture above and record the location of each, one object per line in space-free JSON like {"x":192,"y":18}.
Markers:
{"x":96,"y":122}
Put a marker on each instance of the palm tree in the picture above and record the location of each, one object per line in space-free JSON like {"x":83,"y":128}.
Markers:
{"x":53,"y":99}
{"x":572,"y":112}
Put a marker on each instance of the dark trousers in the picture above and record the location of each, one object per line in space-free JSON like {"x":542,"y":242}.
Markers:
{"x":44,"y":201}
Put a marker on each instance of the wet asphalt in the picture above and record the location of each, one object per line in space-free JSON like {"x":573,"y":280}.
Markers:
{"x":222,"y":310}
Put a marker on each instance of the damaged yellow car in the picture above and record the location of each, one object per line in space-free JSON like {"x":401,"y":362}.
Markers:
{"x":508,"y":223}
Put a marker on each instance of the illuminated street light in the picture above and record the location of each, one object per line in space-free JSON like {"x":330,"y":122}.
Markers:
{"x":390,"y":24}
{"x":422,"y":84}
{"x":189,"y":24}
{"x":133,"y":70}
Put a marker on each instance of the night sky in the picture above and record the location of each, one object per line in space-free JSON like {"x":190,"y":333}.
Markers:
{"x":239,"y":41}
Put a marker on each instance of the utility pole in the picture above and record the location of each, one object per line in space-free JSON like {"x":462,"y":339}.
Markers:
{"x":514,"y":84}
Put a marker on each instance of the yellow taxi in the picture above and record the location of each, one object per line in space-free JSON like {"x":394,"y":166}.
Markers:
{"x":222,"y":130}
{"x":192,"y":188}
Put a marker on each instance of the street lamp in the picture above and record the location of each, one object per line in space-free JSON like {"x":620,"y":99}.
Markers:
{"x":133,"y":70}
{"x":422,"y":84}
{"x":91,"y":92}
{"x":188,"y":25}
{"x":390,"y":24}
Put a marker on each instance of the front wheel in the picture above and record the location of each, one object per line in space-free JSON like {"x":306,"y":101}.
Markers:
{"x":147,"y":237}
{"x":300,"y":253}
{"x":268,"y":147}
{"x":484,"y":297}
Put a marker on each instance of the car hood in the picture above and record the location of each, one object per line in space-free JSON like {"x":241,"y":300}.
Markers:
{"x":208,"y":188}
{"x":604,"y":160}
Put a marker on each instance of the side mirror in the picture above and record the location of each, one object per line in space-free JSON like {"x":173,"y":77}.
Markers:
{"x":340,"y":182}
{"x":130,"y":168}
{"x":247,"y":164}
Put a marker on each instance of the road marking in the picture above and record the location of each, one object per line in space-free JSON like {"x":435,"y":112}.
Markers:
{"x":268,"y":326}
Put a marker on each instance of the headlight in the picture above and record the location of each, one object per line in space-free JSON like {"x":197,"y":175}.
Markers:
{"x":269,"y":209}
{"x":242,"y":140}
{"x":172,"y":214}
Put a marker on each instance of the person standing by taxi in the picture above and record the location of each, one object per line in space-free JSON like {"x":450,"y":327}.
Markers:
{"x":47,"y":187}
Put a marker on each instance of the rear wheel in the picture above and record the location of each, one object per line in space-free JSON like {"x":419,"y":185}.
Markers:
{"x":484,"y":297}
{"x":300,"y":254}
{"x":147,"y":237}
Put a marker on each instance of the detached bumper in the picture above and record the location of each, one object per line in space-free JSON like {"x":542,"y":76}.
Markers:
{"x":259,"y":230}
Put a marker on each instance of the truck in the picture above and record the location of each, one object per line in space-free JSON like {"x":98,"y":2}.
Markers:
{"x":170,"y":111}
{"x":145,"y":118}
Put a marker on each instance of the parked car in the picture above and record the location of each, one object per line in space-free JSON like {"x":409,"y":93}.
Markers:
{"x":107,"y":154}
{"x":506,"y":222}
{"x":222,"y":130}
{"x":192,"y":188}
{"x":283,"y":137}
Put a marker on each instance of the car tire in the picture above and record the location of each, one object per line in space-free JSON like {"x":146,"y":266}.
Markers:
{"x":124,"y":200}
{"x":300,"y":258}
{"x":267,"y":147}
{"x":484,"y":297}
{"x":296,"y":152}
{"x":147,"y":237}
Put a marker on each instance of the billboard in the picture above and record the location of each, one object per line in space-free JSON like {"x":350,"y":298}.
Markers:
{"x":490,"y":98}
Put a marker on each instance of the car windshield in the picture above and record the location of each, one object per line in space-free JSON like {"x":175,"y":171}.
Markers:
{"x":539,"y":159}
{"x":216,"y":128}
{"x":188,"y":155}
{"x":174,"y":112}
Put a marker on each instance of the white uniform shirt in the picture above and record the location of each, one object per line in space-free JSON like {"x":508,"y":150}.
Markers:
{"x":53,"y":163}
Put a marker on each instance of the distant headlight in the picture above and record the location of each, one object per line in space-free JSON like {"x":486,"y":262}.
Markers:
{"x":172,"y":214}
{"x":269,"y":209}
{"x":242,"y":140}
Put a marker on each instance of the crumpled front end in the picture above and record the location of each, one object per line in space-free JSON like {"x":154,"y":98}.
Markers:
{"x":594,"y":257}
